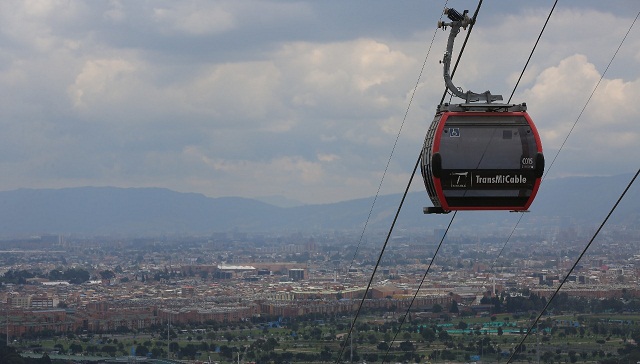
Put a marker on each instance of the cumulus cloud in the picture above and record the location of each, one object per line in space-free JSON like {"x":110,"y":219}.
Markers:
{"x":102,"y":81}
{"x":605,"y":131}
{"x":346,"y":71}
{"x":258,"y":98}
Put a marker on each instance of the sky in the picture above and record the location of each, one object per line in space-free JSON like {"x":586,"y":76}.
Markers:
{"x":301,"y":99}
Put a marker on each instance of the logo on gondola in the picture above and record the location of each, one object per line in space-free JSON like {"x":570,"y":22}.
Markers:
{"x":459,"y":179}
{"x":501,"y":179}
{"x":454,"y":132}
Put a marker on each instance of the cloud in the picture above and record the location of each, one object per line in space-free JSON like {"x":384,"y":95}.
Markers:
{"x":250,"y":176}
{"x":359,"y":70}
{"x":328,"y":157}
{"x":263,"y":97}
{"x":605,"y":136}
{"x":236,"y":92}
{"x":102,"y":81}
{"x":258,"y":96}
{"x":195,"y":19}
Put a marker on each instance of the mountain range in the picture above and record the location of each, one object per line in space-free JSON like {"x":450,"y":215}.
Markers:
{"x":157,"y":211}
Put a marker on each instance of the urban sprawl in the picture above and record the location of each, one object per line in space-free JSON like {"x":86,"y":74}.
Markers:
{"x":65,"y":284}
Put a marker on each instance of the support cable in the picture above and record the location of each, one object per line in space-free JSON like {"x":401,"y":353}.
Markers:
{"x":401,"y":202}
{"x":419,"y":286}
{"x":375,"y":268}
{"x":584,"y":251}
{"x":415,"y":168}
{"x":510,"y":97}
{"x":473,"y":20}
{"x":464,"y":44}
{"x":532,"y":50}
{"x":592,"y":92}
{"x":577,"y":119}
{"x":444,"y":95}
{"x":551,"y":165}
{"x":509,"y":101}
{"x":415,"y":88}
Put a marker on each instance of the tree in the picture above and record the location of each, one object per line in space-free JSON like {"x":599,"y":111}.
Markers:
{"x":371,"y":358}
{"x":60,"y":348}
{"x":444,"y":336}
{"x":454,"y":307}
{"x":203,"y":346}
{"x":8,"y":354}
{"x":583,"y":355}
{"x":141,"y":350}
{"x":75,"y":348}
{"x":109,"y":349}
{"x":547,"y":357}
{"x":226,"y":351}
{"x":107,"y":274}
{"x":573,"y":357}
{"x":436,"y":308}
{"x":17,"y":277}
{"x":497,"y":305}
{"x":428,"y":334}
{"x":383,"y":346}
{"x":372,"y":339}
{"x":189,"y":351}
{"x":157,"y":352}
{"x":45,"y":359}
{"x":76,"y":275}
{"x":326,"y":354}
{"x":407,"y":346}
{"x":316,"y":333}
{"x":270,"y":344}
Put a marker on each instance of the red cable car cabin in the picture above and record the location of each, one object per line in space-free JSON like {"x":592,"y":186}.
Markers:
{"x":482,"y":157}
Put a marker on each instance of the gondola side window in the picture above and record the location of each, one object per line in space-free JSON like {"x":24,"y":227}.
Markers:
{"x":487,"y":145}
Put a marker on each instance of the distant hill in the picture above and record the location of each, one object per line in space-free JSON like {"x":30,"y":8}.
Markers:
{"x":156,"y":211}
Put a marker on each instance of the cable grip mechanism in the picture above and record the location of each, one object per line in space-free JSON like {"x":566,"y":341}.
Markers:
{"x":460,"y":21}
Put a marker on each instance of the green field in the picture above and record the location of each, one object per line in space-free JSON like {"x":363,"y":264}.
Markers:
{"x":566,"y":338}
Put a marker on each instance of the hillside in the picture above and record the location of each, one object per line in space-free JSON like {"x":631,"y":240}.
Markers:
{"x":156,"y":211}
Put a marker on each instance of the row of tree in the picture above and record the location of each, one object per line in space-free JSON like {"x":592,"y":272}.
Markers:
{"x":72,"y":275}
{"x":506,"y":303}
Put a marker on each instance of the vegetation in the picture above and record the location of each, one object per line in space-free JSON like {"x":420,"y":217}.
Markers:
{"x":9,"y":354}
{"x":556,"y":339}
{"x":573,"y":330}
{"x":72,"y":275}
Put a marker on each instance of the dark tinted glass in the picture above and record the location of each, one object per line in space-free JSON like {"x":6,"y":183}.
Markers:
{"x":487,"y":160}
{"x":487,"y":143}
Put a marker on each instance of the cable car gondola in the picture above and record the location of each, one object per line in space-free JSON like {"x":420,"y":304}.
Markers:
{"x":480,"y":156}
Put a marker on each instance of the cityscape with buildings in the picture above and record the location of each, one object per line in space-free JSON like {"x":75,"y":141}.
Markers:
{"x":56,"y":285}
{"x":222,"y":182}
